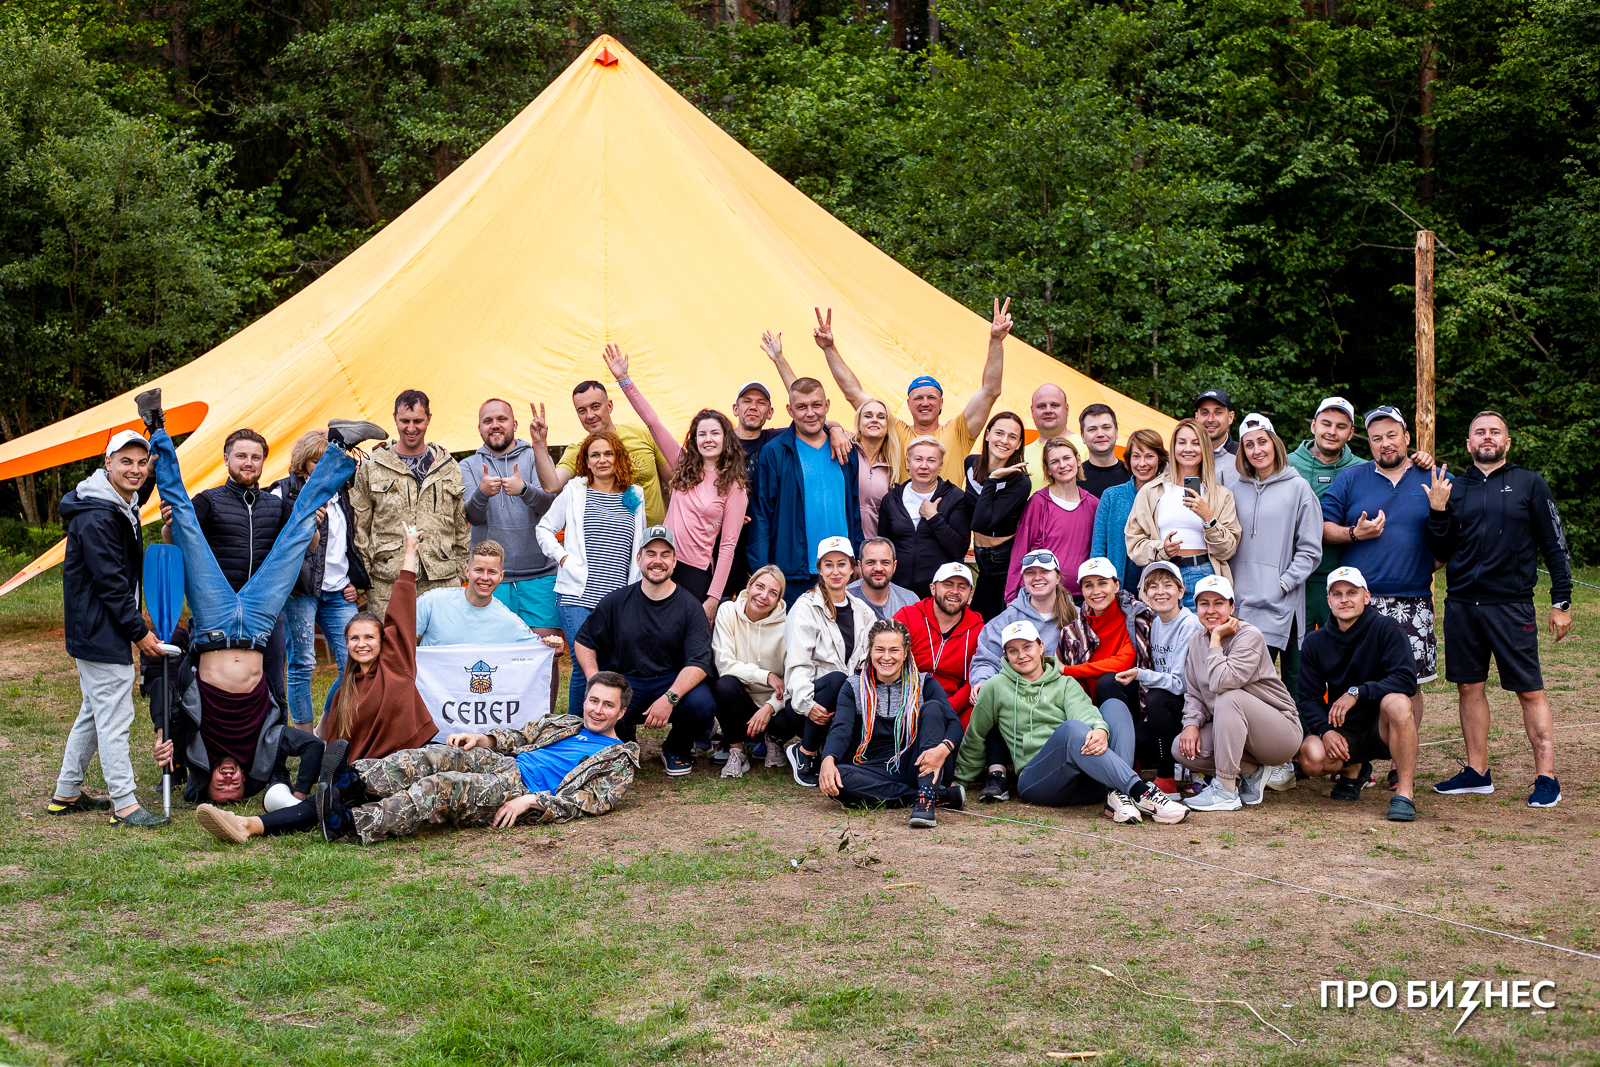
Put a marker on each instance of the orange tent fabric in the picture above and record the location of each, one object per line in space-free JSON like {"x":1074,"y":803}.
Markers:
{"x":609,"y":210}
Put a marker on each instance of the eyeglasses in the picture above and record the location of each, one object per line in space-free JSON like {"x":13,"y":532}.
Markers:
{"x":1041,"y":557}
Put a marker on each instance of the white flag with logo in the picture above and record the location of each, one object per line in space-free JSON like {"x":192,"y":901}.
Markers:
{"x":478,"y":688}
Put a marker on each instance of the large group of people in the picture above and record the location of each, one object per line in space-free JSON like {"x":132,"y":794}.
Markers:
{"x":892,"y":611}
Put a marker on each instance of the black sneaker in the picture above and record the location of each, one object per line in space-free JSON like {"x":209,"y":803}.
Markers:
{"x":81,"y":802}
{"x":1467,"y":781}
{"x":140,"y":817}
{"x":334,"y":770}
{"x":351,"y":432}
{"x":953,"y":797}
{"x":923,"y":815}
{"x":804,"y":766}
{"x":996,"y":789}
{"x":332,"y":814}
{"x":1346,"y":788}
{"x":149,"y":403}
{"x":720,"y":756}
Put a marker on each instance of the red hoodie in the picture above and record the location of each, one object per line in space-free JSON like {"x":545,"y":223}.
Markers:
{"x":947,"y":658}
{"x":1115,"y":652}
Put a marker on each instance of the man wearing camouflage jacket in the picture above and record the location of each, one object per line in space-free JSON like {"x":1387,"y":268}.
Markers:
{"x":560,"y":767}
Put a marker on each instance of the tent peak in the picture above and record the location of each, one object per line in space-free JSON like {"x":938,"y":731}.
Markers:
{"x":605,"y":58}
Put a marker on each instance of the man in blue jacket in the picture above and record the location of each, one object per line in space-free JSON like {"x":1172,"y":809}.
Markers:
{"x":100,"y":595}
{"x":801,"y":494}
{"x":1489,"y":526}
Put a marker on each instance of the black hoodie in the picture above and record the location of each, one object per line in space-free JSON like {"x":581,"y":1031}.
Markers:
{"x":1491,"y":535}
{"x":100,"y":579}
{"x":1374,"y":655}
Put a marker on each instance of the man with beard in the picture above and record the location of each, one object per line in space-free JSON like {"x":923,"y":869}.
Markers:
{"x":1377,"y":513}
{"x":655,"y":635}
{"x":1319,"y":460}
{"x":1213,"y":410}
{"x":1490,"y":526}
{"x":875,"y":586}
{"x":944,"y":634}
{"x":504,"y":503}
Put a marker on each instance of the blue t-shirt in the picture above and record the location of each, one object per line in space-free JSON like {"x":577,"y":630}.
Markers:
{"x":824,"y":491}
{"x":445,"y":618}
{"x":1396,"y":562}
{"x":544,"y":768}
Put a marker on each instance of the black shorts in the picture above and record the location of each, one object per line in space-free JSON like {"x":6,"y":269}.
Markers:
{"x":1366,"y":744}
{"x":1472,"y":632}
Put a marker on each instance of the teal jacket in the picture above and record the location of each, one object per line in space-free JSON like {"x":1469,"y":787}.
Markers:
{"x":1027,"y":714}
{"x":1320,"y":476}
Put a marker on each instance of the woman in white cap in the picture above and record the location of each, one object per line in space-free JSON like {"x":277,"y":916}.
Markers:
{"x":925,"y":517}
{"x":1238,"y":719}
{"x":1185,"y":516}
{"x":1114,"y":636}
{"x":824,"y":640}
{"x":1162,"y":682}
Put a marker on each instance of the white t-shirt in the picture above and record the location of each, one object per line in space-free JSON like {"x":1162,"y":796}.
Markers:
{"x":336,"y":575}
{"x":913,"y":502}
{"x":1063,"y":505}
{"x":1173,"y":517}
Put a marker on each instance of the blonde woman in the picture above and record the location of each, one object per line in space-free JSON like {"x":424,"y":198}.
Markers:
{"x":1186,"y":516}
{"x":880,"y":460}
{"x":747,"y":642}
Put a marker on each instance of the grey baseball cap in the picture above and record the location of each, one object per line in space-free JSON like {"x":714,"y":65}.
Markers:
{"x":658,"y":533}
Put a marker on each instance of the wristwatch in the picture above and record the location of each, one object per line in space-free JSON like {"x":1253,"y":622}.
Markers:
{"x":1561,"y":605}
{"x":1212,"y":524}
{"x":673,"y":698}
{"x":1355,"y":691}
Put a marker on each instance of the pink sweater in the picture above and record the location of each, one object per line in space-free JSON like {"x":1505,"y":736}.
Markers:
{"x":699,"y":515}
{"x":1046,"y":524}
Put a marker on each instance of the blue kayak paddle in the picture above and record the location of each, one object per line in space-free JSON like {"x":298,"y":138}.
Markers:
{"x":163,"y":598}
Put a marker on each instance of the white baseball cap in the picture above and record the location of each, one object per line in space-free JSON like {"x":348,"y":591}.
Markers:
{"x":1347,"y":574}
{"x":953,"y":570}
{"x":1214,"y":583}
{"x":123,"y":438}
{"x":1041,"y":557}
{"x":1338,"y":403}
{"x":1162,"y":566}
{"x":1021,"y":630}
{"x":1255,"y":421}
{"x":835,"y":544}
{"x":1098,"y":567}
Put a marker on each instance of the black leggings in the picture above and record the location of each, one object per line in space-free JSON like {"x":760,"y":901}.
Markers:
{"x":1162,"y":723}
{"x":1108,"y":688}
{"x":296,"y":818}
{"x":734,"y":708}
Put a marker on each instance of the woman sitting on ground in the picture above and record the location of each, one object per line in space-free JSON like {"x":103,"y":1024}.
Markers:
{"x":892,"y":731}
{"x":1238,"y":719}
{"x":1198,"y":531}
{"x":824,"y":641}
{"x":1112,"y":635}
{"x":747,"y":642}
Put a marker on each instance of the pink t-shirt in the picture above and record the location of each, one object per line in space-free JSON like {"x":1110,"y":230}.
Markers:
{"x":698,"y":516}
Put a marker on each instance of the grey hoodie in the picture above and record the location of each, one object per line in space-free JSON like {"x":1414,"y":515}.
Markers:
{"x":98,"y":487}
{"x":508,"y":519}
{"x":1169,"y":646}
{"x":1280,"y":544}
{"x":989,"y":657}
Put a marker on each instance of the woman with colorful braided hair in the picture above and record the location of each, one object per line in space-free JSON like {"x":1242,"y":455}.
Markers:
{"x":893,"y":730}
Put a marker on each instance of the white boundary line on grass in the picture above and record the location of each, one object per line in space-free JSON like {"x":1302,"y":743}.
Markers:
{"x":1278,"y":881}
{"x":1503,"y":733}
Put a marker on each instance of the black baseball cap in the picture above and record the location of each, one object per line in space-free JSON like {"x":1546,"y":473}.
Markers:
{"x":1213,"y":394}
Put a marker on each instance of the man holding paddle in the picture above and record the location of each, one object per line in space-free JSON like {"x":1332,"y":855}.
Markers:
{"x":100,"y":587}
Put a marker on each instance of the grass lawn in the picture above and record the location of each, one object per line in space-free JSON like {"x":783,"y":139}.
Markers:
{"x":753,"y":922}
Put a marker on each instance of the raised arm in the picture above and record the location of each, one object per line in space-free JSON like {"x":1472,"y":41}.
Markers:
{"x":617,"y":362}
{"x":772,"y":345}
{"x":551,"y":477}
{"x":983,"y":401}
{"x":849,"y":385}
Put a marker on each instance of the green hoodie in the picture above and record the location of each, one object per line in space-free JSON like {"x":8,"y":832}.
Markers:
{"x":1319,"y":476}
{"x":1027,"y":714}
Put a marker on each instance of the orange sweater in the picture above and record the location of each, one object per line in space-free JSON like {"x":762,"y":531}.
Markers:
{"x":1115,"y":652}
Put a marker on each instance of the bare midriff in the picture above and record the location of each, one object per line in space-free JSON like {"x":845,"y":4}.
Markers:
{"x":233,"y":670}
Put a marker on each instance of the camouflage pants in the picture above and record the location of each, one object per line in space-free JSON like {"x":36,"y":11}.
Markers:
{"x":378,"y":595}
{"x":434,"y":784}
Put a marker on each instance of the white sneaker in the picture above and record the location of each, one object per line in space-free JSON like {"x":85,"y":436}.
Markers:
{"x":1161,"y":807}
{"x":1252,"y":786}
{"x":1121,"y":808}
{"x":1282,"y":779}
{"x":1214,"y":798}
{"x":737,"y":764}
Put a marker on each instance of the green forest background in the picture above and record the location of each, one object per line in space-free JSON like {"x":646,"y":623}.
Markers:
{"x":1176,"y":194}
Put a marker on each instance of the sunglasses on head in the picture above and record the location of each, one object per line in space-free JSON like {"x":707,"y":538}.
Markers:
{"x":1040,"y":557}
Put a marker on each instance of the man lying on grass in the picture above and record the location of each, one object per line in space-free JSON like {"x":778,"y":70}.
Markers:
{"x":560,"y":767}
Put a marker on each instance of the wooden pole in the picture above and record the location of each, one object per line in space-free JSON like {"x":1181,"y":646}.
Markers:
{"x":1424,"y":424}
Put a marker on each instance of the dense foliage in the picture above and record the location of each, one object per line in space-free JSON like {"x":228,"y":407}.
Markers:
{"x":1177,"y":193}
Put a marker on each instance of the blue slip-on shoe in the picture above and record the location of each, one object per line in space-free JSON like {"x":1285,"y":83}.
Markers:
{"x":676,"y":765}
{"x":1546,"y":792}
{"x":1468,"y":781}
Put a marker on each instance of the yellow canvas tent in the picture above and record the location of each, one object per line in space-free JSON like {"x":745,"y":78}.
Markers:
{"x":609,"y":210}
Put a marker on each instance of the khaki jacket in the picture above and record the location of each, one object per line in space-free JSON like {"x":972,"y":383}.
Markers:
{"x":593,"y":787}
{"x":385,"y":496}
{"x":1144,"y":534}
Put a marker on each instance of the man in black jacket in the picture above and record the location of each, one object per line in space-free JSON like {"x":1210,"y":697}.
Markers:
{"x":1489,"y":526}
{"x":100,"y":598}
{"x":1354,"y":696}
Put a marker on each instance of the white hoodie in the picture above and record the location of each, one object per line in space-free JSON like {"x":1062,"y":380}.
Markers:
{"x":748,"y":649}
{"x":813,"y":646}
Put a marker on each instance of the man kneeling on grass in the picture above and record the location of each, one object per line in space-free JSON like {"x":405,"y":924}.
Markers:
{"x":560,"y":767}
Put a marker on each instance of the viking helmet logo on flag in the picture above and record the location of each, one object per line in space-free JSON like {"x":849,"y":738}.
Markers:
{"x":481,"y":680}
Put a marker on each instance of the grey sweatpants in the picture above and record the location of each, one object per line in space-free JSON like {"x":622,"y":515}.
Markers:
{"x":1243,"y":729}
{"x":102,"y":726}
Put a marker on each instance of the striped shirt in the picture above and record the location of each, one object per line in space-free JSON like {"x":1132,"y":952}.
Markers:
{"x":608,"y":545}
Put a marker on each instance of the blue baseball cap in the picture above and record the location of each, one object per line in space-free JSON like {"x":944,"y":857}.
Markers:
{"x":921,"y":380}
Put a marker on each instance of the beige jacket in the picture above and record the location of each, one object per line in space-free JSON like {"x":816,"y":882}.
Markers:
{"x":750,"y":650}
{"x":385,"y":496}
{"x":813,"y":646}
{"x":1144,"y":535}
{"x":1241,"y":663}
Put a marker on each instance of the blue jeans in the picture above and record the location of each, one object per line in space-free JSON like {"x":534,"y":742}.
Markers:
{"x":330,"y":611}
{"x":572,"y":619}
{"x":1060,"y":774}
{"x":1191,"y":575}
{"x":246,"y":618}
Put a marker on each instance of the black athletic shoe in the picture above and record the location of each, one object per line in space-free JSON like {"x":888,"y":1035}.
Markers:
{"x":953,"y":797}
{"x":923,"y":815}
{"x":1346,"y":788}
{"x":81,"y":802}
{"x":150,"y":411}
{"x":351,"y":432}
{"x":805,"y":767}
{"x":995,"y":789}
{"x":332,"y":814}
{"x":332,"y":771}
